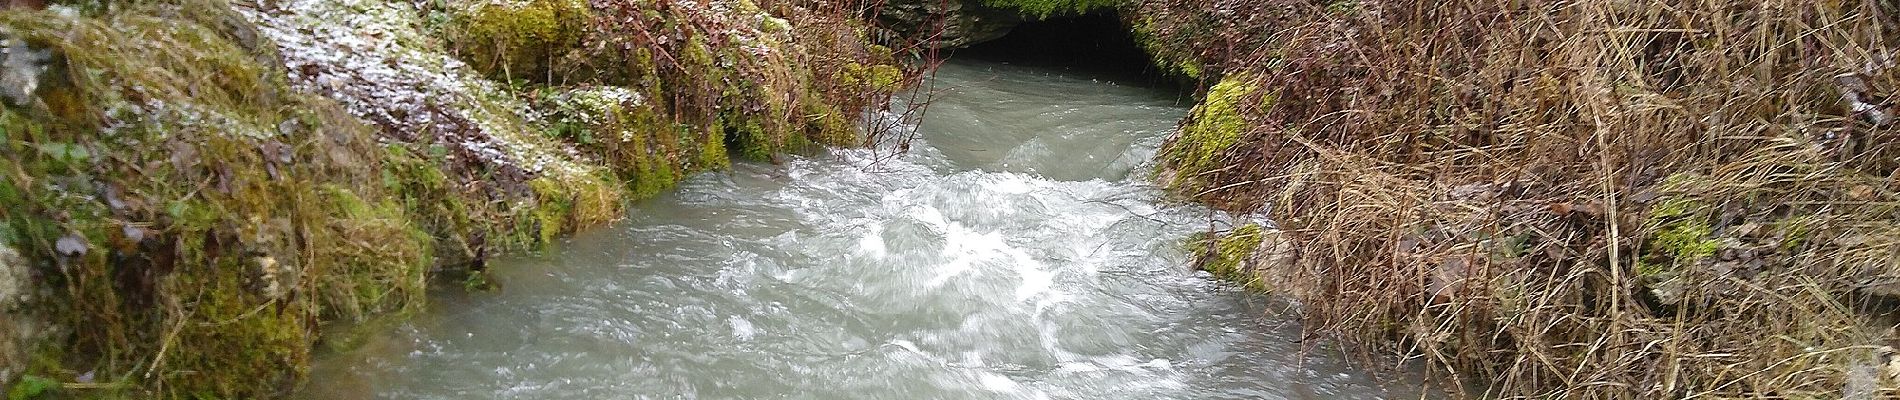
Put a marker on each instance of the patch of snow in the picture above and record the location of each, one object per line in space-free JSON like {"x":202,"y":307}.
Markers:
{"x":370,"y":56}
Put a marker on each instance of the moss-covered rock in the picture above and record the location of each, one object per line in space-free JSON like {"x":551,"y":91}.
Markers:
{"x":200,"y":229}
{"x":948,"y":24}
{"x":1212,"y":128}
{"x":467,"y":151}
{"x":1229,"y":256}
{"x":203,"y":229}
{"x":204,"y":266}
{"x":649,"y":152}
{"x":511,"y":40}
{"x":769,"y":83}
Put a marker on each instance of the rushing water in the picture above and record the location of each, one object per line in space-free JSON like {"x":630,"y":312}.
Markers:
{"x":1016,"y":252}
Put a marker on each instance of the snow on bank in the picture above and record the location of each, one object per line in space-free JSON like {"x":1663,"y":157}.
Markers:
{"x":371,"y":56}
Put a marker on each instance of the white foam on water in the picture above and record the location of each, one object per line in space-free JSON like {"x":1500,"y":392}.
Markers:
{"x":871,"y":242}
{"x":936,"y":274}
{"x":741,"y":328}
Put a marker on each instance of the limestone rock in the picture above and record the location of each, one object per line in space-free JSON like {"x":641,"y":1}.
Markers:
{"x":20,"y":69}
{"x":953,"y":23}
{"x":19,"y":329}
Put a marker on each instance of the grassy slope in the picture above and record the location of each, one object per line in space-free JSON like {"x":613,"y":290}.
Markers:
{"x":192,"y":234}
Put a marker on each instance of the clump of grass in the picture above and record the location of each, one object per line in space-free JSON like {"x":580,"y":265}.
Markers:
{"x":1572,"y":200}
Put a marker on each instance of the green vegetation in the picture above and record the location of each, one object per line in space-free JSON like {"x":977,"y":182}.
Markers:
{"x":231,"y":243}
{"x":1215,"y":125}
{"x":1682,"y":235}
{"x":1226,"y":256}
{"x":1046,"y":8}
{"x":650,"y":152}
{"x":204,"y":230}
{"x":1168,"y":56}
{"x":31,"y":387}
{"x":778,"y":85}
{"x":519,"y":40}
{"x":884,"y":78}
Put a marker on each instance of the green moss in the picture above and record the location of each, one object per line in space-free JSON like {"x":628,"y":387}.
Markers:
{"x":1686,"y":242}
{"x":223,"y":226}
{"x":550,"y":215}
{"x":511,"y":40}
{"x":1796,"y":232}
{"x":749,"y":140}
{"x":707,"y":96}
{"x":697,"y":55}
{"x":219,"y":227}
{"x":566,"y":206}
{"x":242,"y":343}
{"x":432,"y":202}
{"x":1212,"y":128}
{"x":1167,"y":57}
{"x":713,"y":153}
{"x":1187,"y":68}
{"x":32,"y":387}
{"x":874,"y":78}
{"x":880,"y":54}
{"x":377,"y":263}
{"x":1226,"y":256}
{"x":201,"y":214}
{"x":1342,"y":6}
{"x":1046,"y":8}
{"x":647,"y":150}
{"x":826,"y":125}
{"x":1680,"y":234}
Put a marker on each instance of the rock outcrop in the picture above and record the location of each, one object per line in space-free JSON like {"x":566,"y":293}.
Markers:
{"x":18,"y":329}
{"x":947,"y":24}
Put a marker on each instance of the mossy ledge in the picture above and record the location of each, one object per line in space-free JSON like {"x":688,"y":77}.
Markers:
{"x":192,"y":188}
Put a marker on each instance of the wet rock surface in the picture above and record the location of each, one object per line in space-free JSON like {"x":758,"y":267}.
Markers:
{"x":948,"y":24}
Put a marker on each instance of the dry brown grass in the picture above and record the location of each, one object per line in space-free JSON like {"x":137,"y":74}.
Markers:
{"x":1636,"y":199}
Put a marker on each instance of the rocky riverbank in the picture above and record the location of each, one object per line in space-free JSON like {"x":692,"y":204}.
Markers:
{"x":195,"y":187}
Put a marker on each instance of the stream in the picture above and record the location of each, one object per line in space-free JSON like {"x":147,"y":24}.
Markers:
{"x":1016,"y":252}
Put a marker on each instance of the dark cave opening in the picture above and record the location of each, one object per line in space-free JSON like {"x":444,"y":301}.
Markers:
{"x":1091,"y":44}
